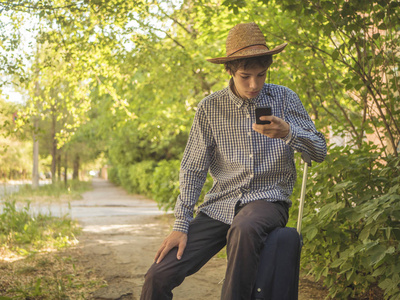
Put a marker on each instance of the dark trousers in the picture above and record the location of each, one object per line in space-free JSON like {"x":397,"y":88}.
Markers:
{"x":206,"y":237}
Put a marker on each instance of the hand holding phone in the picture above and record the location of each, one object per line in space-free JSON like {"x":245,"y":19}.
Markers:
{"x":263,"y":111}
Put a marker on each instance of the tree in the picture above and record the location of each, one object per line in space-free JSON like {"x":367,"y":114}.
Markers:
{"x":58,"y":98}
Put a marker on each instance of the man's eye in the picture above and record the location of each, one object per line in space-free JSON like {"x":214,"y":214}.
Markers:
{"x":261,"y":75}
{"x":244,"y":77}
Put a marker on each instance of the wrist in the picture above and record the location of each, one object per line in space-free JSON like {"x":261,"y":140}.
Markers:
{"x":288,"y":135}
{"x":286,"y":131}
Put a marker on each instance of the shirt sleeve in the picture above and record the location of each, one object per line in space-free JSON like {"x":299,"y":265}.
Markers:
{"x":194,"y":169}
{"x":303,"y":136}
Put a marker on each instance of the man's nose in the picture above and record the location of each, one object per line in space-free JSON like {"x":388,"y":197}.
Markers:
{"x":253,"y":83}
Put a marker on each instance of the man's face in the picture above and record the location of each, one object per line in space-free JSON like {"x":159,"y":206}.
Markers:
{"x":249,"y":82}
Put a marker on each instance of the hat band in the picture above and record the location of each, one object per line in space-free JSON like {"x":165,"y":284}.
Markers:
{"x":257,"y":46}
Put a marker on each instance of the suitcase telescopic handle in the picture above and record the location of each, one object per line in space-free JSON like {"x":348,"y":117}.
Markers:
{"x":307,"y":162}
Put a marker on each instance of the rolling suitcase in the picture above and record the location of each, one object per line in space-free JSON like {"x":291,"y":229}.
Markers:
{"x":278,"y":273}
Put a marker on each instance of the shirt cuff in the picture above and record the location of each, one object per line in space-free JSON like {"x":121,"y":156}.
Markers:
{"x":287,"y":139}
{"x":181,"y":225}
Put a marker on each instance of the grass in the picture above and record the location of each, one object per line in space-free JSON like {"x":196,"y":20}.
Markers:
{"x":53,"y":275}
{"x":22,"y":232}
{"x":34,"y":260}
{"x":58,"y":192}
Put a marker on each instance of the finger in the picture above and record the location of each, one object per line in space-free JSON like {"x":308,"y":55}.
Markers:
{"x":158,"y":253}
{"x":181,"y":249}
{"x":266,"y":118}
{"x":261,"y":128}
{"x":163,"y":254}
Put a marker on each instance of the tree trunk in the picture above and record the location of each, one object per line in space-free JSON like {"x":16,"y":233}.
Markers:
{"x":59,"y":167}
{"x":35,"y":168}
{"x":66,"y":169}
{"x":53,"y":147}
{"x":75,"y":174}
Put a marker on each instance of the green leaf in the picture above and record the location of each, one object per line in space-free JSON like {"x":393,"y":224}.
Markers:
{"x":388,"y":230}
{"x":380,"y":271}
{"x":396,"y":214}
{"x":343,"y":185}
{"x":386,"y":284}
{"x":312,"y":233}
{"x":349,"y":86}
{"x":337,"y":263}
{"x":378,"y":253}
{"x":335,"y":54}
{"x":376,"y":35}
{"x":391,"y":250}
{"x":394,"y":189}
{"x":382,"y":26}
{"x":359,"y":86}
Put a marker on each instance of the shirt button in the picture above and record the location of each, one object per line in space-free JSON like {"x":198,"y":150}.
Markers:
{"x":251,"y":175}
{"x":251,"y":155}
{"x":248,"y":116}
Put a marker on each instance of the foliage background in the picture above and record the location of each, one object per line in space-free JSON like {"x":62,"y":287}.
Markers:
{"x":121,"y":80}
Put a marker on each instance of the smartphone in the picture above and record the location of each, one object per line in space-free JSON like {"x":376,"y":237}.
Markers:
{"x":263,"y":111}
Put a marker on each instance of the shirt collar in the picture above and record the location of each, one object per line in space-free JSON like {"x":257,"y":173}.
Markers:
{"x":239,"y":102}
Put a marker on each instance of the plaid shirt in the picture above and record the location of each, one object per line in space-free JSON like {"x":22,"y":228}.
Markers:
{"x":244,"y":164}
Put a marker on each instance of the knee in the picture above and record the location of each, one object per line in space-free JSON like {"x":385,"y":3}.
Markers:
{"x":242,"y":229}
{"x":156,"y":285}
{"x":161,"y":278}
{"x":155,"y":277}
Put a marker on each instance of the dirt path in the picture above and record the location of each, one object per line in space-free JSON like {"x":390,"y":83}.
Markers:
{"x":121,"y":234}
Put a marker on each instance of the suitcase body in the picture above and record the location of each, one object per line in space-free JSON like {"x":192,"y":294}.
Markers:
{"x":278,"y":271}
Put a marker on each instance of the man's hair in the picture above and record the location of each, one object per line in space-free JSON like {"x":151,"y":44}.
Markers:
{"x":264,"y":61}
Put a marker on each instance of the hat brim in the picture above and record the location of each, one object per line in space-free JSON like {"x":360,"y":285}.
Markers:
{"x":221,"y":60}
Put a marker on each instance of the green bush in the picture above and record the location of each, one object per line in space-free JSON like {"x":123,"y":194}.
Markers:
{"x":165,"y":187}
{"x":141,"y":177}
{"x":352,"y":223}
{"x":123,"y":177}
{"x":112,"y":174}
{"x":159,"y":181}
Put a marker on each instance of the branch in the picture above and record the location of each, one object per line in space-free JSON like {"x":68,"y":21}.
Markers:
{"x":174,"y":19}
{"x":169,"y":36}
{"x":325,"y":108}
{"x":333,"y":92}
{"x":362,"y":73}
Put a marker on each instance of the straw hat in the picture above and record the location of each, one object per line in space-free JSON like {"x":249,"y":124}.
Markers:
{"x":243,"y":41}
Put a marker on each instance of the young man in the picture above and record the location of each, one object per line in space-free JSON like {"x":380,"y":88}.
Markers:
{"x":252,"y":167}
